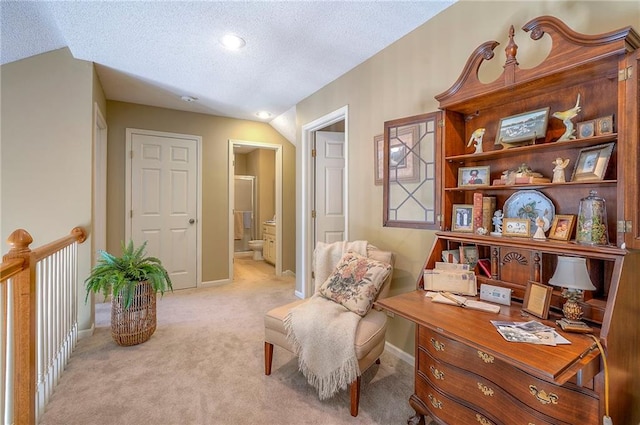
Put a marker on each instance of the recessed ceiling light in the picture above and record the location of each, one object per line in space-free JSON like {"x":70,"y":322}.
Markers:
{"x":232,"y":42}
{"x":189,"y":98}
{"x":263,"y":114}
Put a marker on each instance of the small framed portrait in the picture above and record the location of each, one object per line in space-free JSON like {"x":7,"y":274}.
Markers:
{"x":462,"y":218}
{"x":586,"y":129}
{"x":516,"y":227}
{"x":473,"y":176}
{"x":469,"y":255}
{"x":537,"y":299}
{"x":562,"y":227}
{"x":604,"y":125}
{"x":592,"y":163}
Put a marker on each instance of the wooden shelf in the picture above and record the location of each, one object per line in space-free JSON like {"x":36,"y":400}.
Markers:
{"x":543,"y":147}
{"x":530,"y":186}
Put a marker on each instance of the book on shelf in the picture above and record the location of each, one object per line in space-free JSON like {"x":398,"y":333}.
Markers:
{"x":488,"y":209}
{"x":477,"y":211}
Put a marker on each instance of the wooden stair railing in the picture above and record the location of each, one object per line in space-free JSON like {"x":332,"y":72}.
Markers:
{"x":19,"y":282}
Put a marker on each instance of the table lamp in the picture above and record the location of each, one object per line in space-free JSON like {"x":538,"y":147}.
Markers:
{"x":572,"y":275}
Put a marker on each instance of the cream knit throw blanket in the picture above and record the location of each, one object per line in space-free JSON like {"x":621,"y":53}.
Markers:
{"x":323,"y":332}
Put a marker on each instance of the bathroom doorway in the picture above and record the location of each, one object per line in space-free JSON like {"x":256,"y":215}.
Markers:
{"x":261,"y":214}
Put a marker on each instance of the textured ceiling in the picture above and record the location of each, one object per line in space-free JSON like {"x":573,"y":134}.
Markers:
{"x":154,"y":52}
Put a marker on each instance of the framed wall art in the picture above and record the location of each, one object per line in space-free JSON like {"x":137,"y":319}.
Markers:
{"x":592,"y":163}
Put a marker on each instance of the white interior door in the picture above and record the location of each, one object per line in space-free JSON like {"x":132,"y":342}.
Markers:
{"x":330,"y":199}
{"x":164,"y":170}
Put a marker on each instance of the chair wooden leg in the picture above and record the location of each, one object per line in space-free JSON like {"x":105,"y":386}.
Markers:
{"x":355,"y":396}
{"x":268,"y":357}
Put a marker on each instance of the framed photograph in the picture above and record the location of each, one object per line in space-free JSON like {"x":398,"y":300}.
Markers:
{"x":592,"y":163}
{"x":537,"y":299}
{"x":523,"y":127}
{"x":403,"y":156}
{"x":469,"y":255}
{"x":516,"y":227}
{"x":473,"y":176}
{"x":604,"y":125}
{"x":562,"y":227}
{"x":378,"y":160}
{"x":586,"y":129}
{"x":462,"y":218}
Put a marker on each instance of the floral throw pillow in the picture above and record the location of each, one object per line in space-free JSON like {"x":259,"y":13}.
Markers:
{"x":355,"y":282}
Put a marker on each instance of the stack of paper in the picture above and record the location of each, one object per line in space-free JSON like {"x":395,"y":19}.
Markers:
{"x":448,"y":298}
{"x":456,"y":278}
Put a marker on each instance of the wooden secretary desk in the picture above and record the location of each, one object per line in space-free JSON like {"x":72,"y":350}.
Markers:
{"x":465,"y":372}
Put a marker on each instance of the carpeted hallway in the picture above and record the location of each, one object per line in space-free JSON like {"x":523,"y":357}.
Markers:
{"x":205,"y":365}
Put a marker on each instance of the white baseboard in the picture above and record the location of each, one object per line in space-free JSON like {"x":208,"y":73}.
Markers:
{"x":211,"y":283}
{"x":299,"y":294}
{"x":396,"y":352}
{"x":288,"y":273}
{"x":86,"y":333}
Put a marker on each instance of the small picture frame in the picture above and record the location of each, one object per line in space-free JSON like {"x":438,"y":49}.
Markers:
{"x":604,"y":125}
{"x":516,"y":227}
{"x":586,"y":129}
{"x":462,"y":218}
{"x":469,"y":255}
{"x":562,"y":227}
{"x":592,"y":163}
{"x":523,"y":127}
{"x":474,"y":176}
{"x":537,"y":299}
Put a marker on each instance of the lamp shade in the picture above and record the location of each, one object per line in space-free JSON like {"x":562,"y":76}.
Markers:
{"x":571,"y":272}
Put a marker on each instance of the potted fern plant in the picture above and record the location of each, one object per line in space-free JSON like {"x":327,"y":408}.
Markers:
{"x":132,"y":280}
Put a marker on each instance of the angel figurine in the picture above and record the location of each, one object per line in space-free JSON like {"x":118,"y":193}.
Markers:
{"x":558,"y":170}
{"x":540,"y":224}
{"x":476,"y":139}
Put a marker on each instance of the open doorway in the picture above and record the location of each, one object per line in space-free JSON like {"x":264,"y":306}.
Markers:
{"x":254,"y":220}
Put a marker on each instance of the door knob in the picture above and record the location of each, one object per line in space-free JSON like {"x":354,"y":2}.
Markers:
{"x":191,"y":221}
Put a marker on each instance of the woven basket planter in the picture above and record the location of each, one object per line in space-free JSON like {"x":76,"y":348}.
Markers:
{"x":136,"y":324}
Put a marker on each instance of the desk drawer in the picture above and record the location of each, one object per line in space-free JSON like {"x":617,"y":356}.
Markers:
{"x":479,"y":392}
{"x":446,"y":409}
{"x":560,"y":402}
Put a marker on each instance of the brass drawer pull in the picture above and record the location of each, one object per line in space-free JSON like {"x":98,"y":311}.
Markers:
{"x":485,"y":357}
{"x":439,"y":346}
{"x":485,"y":390}
{"x":435,"y":402}
{"x":542,"y":395}
{"x":437,"y":373}
{"x":483,"y":420}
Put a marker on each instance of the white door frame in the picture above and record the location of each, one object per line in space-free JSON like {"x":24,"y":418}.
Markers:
{"x":99,"y":239}
{"x":127,"y":215}
{"x":258,"y":145}
{"x":304,"y":226}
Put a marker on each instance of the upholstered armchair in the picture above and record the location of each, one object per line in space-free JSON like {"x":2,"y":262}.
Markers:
{"x":369,"y":334}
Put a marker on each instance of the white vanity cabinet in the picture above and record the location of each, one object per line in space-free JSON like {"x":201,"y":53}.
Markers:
{"x":269,"y":248}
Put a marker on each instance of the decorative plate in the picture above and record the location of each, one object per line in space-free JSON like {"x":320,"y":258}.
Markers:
{"x":530,"y":204}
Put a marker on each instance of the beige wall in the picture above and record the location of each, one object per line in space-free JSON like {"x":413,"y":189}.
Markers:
{"x":263,"y":165}
{"x":47,"y":127}
{"x":215,"y":132}
{"x":403,"y":79}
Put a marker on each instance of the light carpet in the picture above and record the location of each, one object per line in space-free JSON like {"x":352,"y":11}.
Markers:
{"x":205,"y":365}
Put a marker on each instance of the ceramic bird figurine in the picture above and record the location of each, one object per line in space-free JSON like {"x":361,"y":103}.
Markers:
{"x":558,"y":170}
{"x":566,"y":117}
{"x":476,"y":137}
